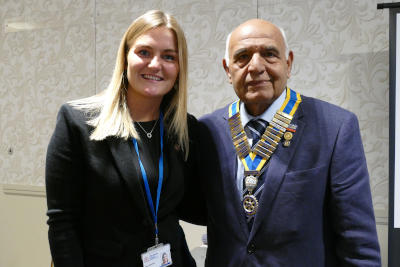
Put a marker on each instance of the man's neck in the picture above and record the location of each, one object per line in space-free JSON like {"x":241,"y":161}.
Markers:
{"x":266,"y":111}
{"x":256,"y":109}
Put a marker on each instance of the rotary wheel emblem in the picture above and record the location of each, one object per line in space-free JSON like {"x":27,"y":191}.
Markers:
{"x":250,"y":204}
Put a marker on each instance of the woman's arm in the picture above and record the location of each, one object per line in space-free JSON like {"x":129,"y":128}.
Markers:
{"x":64,"y":188}
{"x":193,"y":207}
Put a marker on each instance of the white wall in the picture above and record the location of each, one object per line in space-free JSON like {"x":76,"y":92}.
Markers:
{"x":23,"y":228}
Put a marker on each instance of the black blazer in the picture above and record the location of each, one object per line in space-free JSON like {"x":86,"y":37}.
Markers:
{"x":97,"y":208}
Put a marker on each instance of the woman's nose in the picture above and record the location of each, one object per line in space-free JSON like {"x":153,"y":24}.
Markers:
{"x":155,"y":62}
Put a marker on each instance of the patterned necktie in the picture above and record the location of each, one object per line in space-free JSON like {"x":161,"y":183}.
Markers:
{"x":255,"y":129}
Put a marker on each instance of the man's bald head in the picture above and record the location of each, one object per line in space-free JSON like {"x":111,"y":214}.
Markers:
{"x":228,"y":38}
{"x":258,"y":63}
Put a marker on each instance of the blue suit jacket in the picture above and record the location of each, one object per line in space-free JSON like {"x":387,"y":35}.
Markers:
{"x":315,"y":208}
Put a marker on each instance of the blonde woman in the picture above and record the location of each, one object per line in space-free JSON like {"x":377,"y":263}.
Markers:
{"x":115,"y":162}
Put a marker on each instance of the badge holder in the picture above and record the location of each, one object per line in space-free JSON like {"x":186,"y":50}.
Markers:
{"x":158,"y":255}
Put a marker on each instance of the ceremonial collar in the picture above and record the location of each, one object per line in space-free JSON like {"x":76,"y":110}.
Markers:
{"x":255,"y":157}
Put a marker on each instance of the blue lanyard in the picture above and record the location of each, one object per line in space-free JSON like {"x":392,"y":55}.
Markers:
{"x":160,"y":177}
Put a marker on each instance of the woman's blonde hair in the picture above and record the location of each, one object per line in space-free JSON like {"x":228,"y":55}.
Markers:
{"x":110,"y":113}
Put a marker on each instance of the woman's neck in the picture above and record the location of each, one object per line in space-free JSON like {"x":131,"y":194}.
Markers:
{"x":142,"y":108}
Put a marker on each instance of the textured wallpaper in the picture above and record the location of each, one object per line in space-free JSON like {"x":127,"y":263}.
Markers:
{"x":40,"y":68}
{"x":341,"y":56}
{"x":66,"y":50}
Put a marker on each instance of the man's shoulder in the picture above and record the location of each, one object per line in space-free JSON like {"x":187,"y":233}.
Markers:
{"x":217,"y":114}
{"x":316,"y":107}
{"x":321,"y":114}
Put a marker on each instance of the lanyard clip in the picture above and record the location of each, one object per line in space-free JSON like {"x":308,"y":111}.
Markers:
{"x":156,"y":232}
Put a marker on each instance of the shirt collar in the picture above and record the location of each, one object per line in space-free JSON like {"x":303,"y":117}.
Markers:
{"x":267,"y":115}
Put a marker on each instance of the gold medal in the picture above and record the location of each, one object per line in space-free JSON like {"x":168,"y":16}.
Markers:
{"x":250,"y":204}
{"x":288,"y":136}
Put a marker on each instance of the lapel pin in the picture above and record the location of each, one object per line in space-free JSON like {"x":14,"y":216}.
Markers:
{"x":292,"y":128}
{"x":288,"y":135}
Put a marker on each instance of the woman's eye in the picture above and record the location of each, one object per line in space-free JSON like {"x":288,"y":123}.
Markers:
{"x":169,"y":57}
{"x":144,"y":53}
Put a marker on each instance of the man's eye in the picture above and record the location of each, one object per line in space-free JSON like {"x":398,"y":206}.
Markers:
{"x":269,"y":54}
{"x":242,"y":57}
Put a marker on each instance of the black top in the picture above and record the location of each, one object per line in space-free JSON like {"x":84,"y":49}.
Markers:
{"x":149,"y":149}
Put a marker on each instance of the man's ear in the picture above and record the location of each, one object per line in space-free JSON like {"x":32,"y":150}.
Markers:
{"x":289,"y":62}
{"x":226,"y":68}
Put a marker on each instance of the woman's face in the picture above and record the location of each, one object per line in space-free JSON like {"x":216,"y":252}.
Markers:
{"x":165,"y":258}
{"x":152,"y":63}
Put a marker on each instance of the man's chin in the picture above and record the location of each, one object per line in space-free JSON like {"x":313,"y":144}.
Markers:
{"x":258,"y":99}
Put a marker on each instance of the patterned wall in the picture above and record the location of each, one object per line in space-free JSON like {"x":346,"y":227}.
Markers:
{"x":340,"y":49}
{"x":341,"y":56}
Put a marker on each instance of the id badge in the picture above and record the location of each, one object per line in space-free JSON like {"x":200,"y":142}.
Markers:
{"x":157,"y":256}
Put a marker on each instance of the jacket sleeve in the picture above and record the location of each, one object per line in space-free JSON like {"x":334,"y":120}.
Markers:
{"x":351,"y":202}
{"x":193,"y":206}
{"x":64,"y":188}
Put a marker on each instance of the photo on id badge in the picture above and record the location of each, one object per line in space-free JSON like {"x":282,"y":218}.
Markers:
{"x":157,"y":257}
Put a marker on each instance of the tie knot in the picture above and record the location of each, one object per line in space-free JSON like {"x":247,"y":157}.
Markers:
{"x":255,"y":129}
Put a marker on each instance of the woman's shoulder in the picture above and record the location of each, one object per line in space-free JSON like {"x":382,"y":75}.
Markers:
{"x":193,"y":125}
{"x":75,"y":117}
{"x":191,"y":120}
{"x":84,"y":108}
{"x":71,"y":112}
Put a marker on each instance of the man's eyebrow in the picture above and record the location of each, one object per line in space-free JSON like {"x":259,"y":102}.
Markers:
{"x":239,"y":51}
{"x":268,"y":48}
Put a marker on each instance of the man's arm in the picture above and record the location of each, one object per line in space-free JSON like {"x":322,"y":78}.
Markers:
{"x":351,"y":209}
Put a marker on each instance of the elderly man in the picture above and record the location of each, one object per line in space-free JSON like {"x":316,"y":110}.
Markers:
{"x":284,"y":176}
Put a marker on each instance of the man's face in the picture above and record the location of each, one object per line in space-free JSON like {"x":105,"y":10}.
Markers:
{"x":258,"y":68}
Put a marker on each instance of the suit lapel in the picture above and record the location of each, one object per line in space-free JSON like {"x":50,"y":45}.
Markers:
{"x":276,"y":171}
{"x":125,"y":162}
{"x":233,"y":195}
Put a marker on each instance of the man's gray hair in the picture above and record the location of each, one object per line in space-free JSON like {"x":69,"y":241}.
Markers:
{"x":228,"y":38}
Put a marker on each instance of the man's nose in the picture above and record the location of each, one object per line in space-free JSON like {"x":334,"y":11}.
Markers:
{"x":257,"y":63}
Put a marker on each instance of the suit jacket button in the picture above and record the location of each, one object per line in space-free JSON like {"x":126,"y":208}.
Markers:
{"x":251,"y":249}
